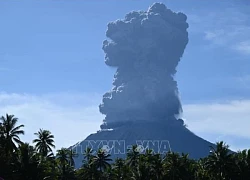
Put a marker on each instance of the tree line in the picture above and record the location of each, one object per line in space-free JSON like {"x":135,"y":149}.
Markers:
{"x":23,"y":161}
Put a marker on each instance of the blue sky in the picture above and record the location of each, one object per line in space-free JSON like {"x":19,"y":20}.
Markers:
{"x":52,"y":70}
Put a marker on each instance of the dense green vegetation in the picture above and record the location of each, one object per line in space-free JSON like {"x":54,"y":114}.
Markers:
{"x":19,"y":160}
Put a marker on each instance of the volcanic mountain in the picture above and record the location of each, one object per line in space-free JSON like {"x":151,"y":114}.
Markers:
{"x":144,"y":107}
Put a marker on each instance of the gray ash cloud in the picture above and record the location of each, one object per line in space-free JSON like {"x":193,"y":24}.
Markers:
{"x":145,"y":47}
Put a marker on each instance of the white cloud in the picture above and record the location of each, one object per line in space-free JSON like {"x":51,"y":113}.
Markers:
{"x":213,"y":35}
{"x":243,"y":47}
{"x":219,"y":120}
{"x":4,"y":69}
{"x":228,"y":28}
{"x":210,"y":35}
{"x":72,"y":117}
{"x":244,"y":80}
{"x":68,"y":122}
{"x":230,"y":36}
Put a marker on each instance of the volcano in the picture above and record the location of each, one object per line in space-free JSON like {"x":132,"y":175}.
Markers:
{"x":144,"y":107}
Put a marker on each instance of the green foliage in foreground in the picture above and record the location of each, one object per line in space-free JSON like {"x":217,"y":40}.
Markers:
{"x":22,"y":161}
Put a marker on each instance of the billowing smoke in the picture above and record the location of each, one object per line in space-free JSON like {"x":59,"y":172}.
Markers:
{"x":146,"y":48}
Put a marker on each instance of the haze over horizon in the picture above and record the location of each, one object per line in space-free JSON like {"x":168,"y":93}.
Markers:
{"x":54,"y":76}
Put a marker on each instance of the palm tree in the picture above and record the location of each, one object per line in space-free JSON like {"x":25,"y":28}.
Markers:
{"x":154,"y":163}
{"x":10,"y":132}
{"x":88,"y":155}
{"x":100,"y":160}
{"x":88,"y":171}
{"x":66,"y":156}
{"x":242,"y":160}
{"x":178,"y":166}
{"x":63,"y":158}
{"x":201,"y":171}
{"x":72,"y":155}
{"x":118,"y":167}
{"x":9,"y":139}
{"x":44,"y":143}
{"x":27,"y":162}
{"x":121,"y":170}
{"x":219,"y":162}
{"x":133,"y":156}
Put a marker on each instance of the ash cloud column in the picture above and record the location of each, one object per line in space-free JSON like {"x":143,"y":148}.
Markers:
{"x":145,"y":47}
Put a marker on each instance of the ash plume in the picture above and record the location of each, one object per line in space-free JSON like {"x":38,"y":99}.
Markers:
{"x":145,"y":47}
